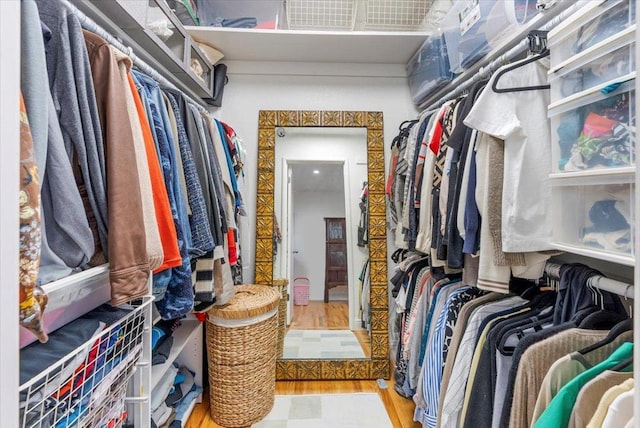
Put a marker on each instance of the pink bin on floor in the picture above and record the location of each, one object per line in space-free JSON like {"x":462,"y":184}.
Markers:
{"x":301,"y":291}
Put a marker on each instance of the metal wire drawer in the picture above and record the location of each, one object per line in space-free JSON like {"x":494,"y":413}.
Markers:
{"x":88,"y":386}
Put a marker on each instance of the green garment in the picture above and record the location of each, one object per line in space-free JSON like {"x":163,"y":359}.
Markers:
{"x":558,"y":411}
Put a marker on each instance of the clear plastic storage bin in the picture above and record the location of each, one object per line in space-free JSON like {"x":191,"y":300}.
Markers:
{"x":591,"y":26}
{"x":595,"y":215}
{"x":610,"y":63}
{"x":473,"y":27}
{"x":595,"y":131}
{"x":263,"y":14}
{"x":429,"y":68}
{"x":157,"y":18}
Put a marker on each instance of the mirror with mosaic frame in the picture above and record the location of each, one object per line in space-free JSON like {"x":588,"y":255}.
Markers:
{"x":377,"y":365}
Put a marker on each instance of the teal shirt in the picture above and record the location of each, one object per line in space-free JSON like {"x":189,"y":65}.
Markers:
{"x":558,"y":411}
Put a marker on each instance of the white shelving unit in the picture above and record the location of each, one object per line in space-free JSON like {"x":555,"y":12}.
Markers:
{"x":71,"y":297}
{"x":575,"y":193}
{"x":611,"y":174}
{"x":185,"y":339}
{"x":9,"y":225}
{"x":77,"y":294}
{"x":595,"y":253}
{"x":365,"y":47}
{"x":127,"y":20}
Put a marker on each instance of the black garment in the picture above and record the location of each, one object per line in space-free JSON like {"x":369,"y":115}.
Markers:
{"x":451,"y":237}
{"x":522,"y":346}
{"x":412,"y":233}
{"x":162,"y":350}
{"x":574,"y":294}
{"x":413,"y":271}
{"x":540,"y":301}
{"x":214,"y":165}
{"x":459,"y":140}
{"x":481,"y":402}
{"x":437,"y":237}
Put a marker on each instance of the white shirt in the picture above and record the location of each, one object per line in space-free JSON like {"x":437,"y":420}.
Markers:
{"x":620,"y":411}
{"x":520,"y":119}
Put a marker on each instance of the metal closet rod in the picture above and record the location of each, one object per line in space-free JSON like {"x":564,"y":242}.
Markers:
{"x":598,"y":281}
{"x":90,"y":25}
{"x":486,"y":71}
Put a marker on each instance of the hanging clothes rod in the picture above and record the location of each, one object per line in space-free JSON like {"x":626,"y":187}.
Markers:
{"x":598,"y":281}
{"x":90,"y":25}
{"x":463,"y":82}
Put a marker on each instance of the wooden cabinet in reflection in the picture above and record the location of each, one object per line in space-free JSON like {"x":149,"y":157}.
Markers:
{"x":336,"y":254}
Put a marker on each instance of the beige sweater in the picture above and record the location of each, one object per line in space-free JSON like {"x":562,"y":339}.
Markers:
{"x":591,"y":394}
{"x":536,"y":361}
{"x":152,"y":233}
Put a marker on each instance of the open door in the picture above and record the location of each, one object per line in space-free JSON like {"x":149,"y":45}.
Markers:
{"x":289,"y":251}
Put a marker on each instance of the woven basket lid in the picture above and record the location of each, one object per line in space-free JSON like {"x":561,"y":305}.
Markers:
{"x":249,"y":301}
{"x":280,"y":281}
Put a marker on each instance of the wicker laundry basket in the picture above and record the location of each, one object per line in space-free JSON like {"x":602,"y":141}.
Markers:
{"x":241,"y":349}
{"x":281,"y":284}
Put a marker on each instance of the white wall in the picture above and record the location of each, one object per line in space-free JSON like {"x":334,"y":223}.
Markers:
{"x":310,"y":210}
{"x":295,"y":87}
{"x":346,"y":146}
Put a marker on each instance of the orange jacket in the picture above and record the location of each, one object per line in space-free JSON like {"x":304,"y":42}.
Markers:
{"x":160,"y":197}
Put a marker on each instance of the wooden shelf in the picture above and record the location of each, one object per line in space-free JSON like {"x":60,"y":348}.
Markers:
{"x":370,"y":47}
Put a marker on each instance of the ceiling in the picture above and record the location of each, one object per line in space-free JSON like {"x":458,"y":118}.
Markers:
{"x":330,"y":177}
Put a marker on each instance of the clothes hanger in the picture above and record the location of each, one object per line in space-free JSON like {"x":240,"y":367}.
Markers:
{"x":601,"y":320}
{"x":616,"y":331}
{"x":626,"y":299}
{"x":622,"y":365}
{"x":537,"y":46}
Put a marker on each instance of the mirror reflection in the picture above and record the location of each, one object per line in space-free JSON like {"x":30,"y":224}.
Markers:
{"x":320,"y":206}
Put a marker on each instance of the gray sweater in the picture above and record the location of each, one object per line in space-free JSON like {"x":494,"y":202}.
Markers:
{"x":67,"y":241}
{"x":74,"y":98}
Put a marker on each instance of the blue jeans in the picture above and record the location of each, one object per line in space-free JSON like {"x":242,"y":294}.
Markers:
{"x":173,"y":287}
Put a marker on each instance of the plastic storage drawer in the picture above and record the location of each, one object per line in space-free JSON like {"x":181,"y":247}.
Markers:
{"x":595,"y":217}
{"x":594,"y":131}
{"x":158,"y":19}
{"x":608,"y":63}
{"x":429,"y":68}
{"x":472,"y":27}
{"x":264,"y":14}
{"x":591,"y":26}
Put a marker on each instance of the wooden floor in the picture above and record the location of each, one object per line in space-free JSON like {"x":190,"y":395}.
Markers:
{"x":330,"y":316}
{"x":400,"y":409}
{"x":320,"y":315}
{"x":333,"y":315}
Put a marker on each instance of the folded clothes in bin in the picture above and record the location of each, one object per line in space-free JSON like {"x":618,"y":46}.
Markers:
{"x":429,"y":68}
{"x":240,"y":14}
{"x":472,"y":28}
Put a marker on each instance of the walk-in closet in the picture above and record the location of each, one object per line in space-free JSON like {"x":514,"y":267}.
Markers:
{"x":319,"y":213}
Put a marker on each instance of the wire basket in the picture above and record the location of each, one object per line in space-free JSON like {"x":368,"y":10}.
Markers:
{"x":395,"y":15}
{"x":88,"y":386}
{"x":321,"y":14}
